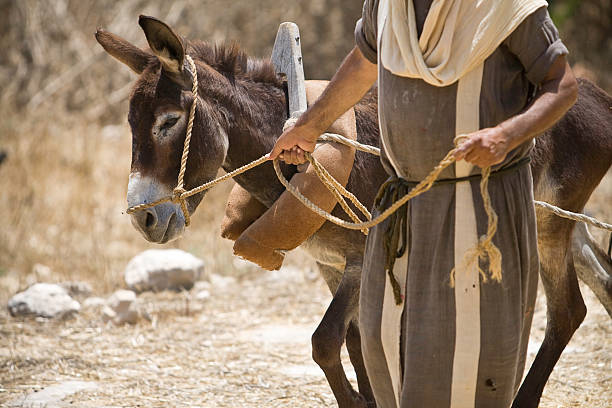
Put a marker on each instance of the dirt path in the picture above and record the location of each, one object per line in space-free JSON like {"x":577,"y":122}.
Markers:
{"x":248,"y":345}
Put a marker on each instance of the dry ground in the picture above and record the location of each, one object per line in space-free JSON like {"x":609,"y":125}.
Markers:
{"x":245,"y":346}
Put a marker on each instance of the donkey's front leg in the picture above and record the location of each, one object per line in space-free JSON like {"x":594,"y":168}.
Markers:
{"x":329,"y":336}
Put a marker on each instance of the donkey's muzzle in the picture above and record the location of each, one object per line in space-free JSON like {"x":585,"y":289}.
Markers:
{"x":161,"y":223}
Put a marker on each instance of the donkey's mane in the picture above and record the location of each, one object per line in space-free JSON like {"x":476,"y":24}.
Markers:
{"x":229,"y":59}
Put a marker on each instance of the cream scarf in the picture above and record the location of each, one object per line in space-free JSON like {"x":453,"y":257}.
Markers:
{"x":458,"y":35}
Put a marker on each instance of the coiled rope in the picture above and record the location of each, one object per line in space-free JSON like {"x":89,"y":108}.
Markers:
{"x":485,"y":245}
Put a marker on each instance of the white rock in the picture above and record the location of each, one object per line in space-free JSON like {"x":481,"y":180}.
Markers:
{"x":121,"y":308}
{"x":121,"y":299}
{"x":202,"y":295}
{"x":108,"y":314}
{"x":201,"y":285}
{"x":94,"y":302}
{"x":43,"y":300}
{"x":52,"y":396}
{"x":161,"y":269}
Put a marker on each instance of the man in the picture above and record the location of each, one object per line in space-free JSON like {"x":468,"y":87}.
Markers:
{"x":494,"y":71}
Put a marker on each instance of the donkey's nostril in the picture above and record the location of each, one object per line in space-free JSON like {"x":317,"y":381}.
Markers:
{"x":150,"y":221}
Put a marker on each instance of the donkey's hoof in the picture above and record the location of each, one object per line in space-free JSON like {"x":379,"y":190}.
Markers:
{"x":360,"y":402}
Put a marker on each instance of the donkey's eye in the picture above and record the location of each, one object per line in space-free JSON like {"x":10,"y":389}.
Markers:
{"x":171,"y":121}
{"x":164,"y":123}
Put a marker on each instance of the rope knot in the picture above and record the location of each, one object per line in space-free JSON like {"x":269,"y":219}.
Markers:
{"x":177,"y":198}
{"x":177,"y":195}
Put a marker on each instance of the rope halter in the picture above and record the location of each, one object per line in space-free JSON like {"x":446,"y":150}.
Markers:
{"x":179,"y":194}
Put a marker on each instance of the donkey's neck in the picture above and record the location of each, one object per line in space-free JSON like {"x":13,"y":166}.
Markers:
{"x":256,"y":121}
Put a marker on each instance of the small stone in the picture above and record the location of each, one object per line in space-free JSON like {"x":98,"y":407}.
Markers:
{"x":121,"y":298}
{"x":53,"y":395}
{"x":121,"y":308}
{"x":108,"y":314}
{"x":43,"y":300}
{"x":163,"y":269}
{"x":202,"y":295}
{"x":94,"y":302}
{"x":201,"y":285}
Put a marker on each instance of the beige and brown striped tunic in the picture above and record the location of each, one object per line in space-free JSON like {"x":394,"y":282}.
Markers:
{"x":465,"y":346}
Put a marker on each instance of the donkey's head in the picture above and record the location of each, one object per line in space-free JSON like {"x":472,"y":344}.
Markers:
{"x":158,"y":116}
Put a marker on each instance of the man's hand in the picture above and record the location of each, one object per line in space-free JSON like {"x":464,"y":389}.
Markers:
{"x":484,"y":148}
{"x":292,"y":144}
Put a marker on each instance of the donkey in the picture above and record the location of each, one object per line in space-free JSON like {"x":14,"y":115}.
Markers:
{"x":241,"y":109}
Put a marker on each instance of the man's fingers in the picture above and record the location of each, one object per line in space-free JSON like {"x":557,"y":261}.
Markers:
{"x":465,"y":148}
{"x":299,"y":155}
{"x":473,"y":156}
{"x":276,"y":152}
{"x":291,"y":156}
{"x":459,"y":155}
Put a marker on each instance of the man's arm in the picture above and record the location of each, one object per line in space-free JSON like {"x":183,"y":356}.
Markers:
{"x":354,"y":78}
{"x":556,"y":95}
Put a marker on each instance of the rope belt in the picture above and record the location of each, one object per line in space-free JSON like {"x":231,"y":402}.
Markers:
{"x":519,"y":163}
{"x":396,"y":196}
{"x":397,"y":230}
{"x":395,"y":237}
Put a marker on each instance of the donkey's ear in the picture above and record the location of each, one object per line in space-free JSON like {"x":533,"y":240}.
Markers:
{"x":164,"y":43}
{"x":124,"y":51}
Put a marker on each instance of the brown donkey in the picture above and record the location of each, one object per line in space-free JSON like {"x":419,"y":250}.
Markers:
{"x":241,"y":109}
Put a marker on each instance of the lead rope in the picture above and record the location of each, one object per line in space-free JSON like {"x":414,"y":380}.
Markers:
{"x":485,"y":247}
